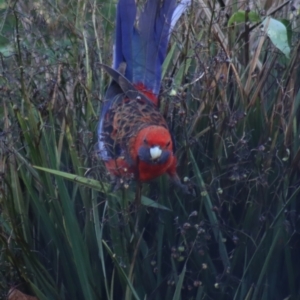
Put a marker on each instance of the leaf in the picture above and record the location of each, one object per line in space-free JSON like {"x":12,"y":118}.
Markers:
{"x":210,"y":212}
{"x":288,"y":26}
{"x":99,"y":186}
{"x":179,"y":284}
{"x":277,"y":32}
{"x":91,"y":183}
{"x":150,"y":203}
{"x":120,"y":269}
{"x":240,"y":17}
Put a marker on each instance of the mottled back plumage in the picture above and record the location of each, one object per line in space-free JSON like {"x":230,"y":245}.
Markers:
{"x":125,"y":118}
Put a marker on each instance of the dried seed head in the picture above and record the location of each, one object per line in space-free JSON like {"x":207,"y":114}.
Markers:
{"x":201,"y":230}
{"x":197,"y":283}
{"x":186,"y":226}
{"x":207,"y":237}
{"x":235,"y":239}
{"x":186,"y":179}
{"x":180,"y":258}
{"x":193,"y":214}
{"x":201,"y":252}
{"x":181,"y":248}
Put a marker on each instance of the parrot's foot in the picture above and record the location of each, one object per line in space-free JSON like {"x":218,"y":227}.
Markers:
{"x":187,"y":187}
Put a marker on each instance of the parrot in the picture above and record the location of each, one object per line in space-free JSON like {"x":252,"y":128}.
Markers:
{"x":134,"y":139}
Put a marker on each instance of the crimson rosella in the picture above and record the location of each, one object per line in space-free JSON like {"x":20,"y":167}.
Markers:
{"x":134,"y":138}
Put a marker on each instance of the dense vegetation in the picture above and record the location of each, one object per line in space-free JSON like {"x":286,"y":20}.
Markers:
{"x":231,"y":96}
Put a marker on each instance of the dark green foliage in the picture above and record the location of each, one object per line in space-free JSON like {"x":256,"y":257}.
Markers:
{"x":232,"y":100}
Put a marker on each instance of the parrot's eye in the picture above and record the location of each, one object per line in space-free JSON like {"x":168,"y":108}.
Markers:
{"x":168,"y":143}
{"x":145,"y":141}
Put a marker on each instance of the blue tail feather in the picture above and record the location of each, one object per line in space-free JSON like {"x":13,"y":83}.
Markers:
{"x":126,"y":14}
{"x":142,"y":43}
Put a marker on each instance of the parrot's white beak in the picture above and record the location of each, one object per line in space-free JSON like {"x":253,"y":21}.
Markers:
{"x":155,"y":152}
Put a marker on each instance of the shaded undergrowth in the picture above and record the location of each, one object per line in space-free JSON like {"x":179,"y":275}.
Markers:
{"x":232,"y":100}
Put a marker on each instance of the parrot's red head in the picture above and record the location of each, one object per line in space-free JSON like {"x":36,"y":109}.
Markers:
{"x":153,"y":152}
{"x":153,"y":145}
